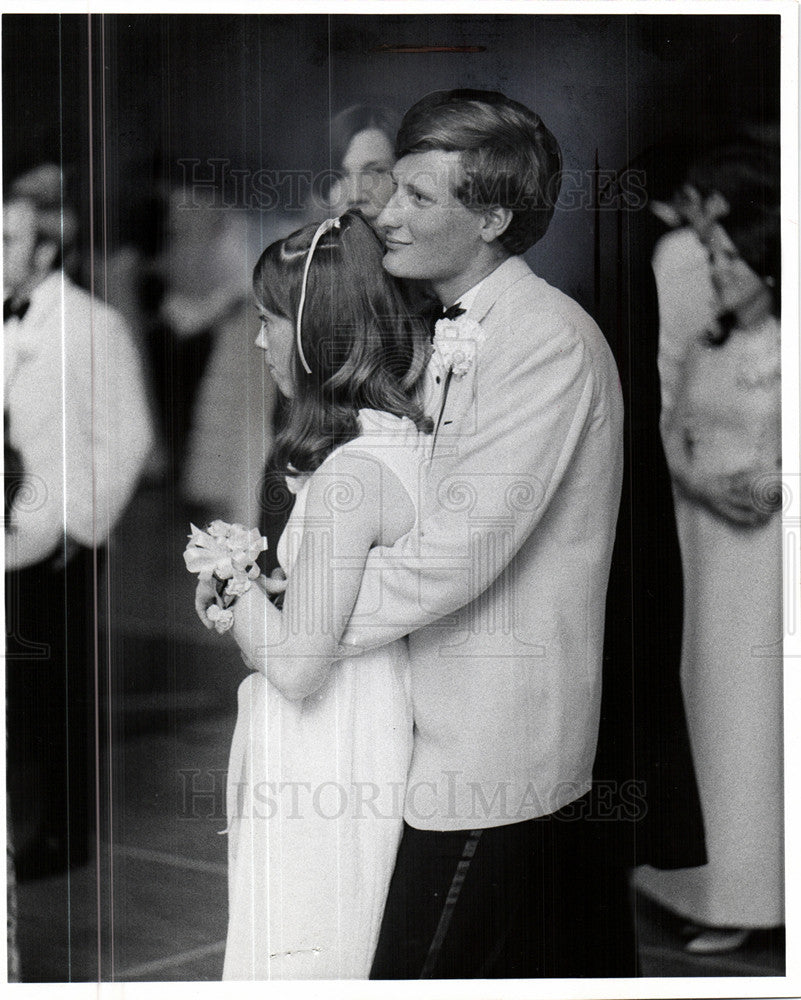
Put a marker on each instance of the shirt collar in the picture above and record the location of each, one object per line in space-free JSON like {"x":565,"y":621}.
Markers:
{"x":32,"y":334}
{"x":507,"y":271}
{"x":466,"y":300}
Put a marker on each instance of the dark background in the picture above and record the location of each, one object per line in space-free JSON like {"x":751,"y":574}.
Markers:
{"x":258,"y":91}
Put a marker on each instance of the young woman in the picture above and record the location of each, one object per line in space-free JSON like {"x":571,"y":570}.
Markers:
{"x":320,"y":753}
{"x":718,"y":280}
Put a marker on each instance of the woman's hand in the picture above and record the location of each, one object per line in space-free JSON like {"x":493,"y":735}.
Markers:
{"x":248,"y":662}
{"x":742,"y":498}
{"x":205,"y":596}
{"x":275,"y":584}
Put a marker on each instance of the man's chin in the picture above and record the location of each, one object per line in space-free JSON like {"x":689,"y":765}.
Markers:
{"x":393,"y":264}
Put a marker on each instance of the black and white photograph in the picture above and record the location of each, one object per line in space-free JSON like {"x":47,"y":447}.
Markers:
{"x":402,"y":518}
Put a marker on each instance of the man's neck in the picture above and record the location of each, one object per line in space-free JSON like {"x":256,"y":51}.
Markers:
{"x":449,"y":291}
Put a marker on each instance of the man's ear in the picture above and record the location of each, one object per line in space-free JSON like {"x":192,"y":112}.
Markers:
{"x":496,"y":221}
{"x":44,"y":257}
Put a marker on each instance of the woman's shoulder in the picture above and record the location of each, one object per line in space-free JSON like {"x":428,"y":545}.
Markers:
{"x":385,"y":441}
{"x":384,"y":436}
{"x":360,"y":480}
{"x":380,"y":433}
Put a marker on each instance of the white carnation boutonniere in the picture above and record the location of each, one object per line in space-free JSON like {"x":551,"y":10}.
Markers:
{"x":456,"y":343}
{"x":226,"y":554}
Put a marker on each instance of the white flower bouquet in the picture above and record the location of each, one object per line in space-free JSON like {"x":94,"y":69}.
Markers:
{"x":226,"y":554}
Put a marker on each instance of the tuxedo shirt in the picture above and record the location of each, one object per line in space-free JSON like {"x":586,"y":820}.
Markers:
{"x":502,"y":588}
{"x":78,"y":415}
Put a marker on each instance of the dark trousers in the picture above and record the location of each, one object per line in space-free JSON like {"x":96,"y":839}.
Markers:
{"x":50,"y":700}
{"x":546,"y":898}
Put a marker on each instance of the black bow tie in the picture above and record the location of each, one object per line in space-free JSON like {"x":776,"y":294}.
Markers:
{"x":18,"y":310}
{"x":435,"y":314}
{"x":453,"y":311}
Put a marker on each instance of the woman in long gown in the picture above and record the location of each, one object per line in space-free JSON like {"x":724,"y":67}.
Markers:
{"x":321,"y":749}
{"x":717,"y":279}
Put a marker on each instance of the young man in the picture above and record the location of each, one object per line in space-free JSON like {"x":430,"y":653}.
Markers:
{"x":503,"y":587}
{"x":76,"y":417}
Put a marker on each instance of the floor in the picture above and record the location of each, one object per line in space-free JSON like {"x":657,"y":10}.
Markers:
{"x":153,"y":905}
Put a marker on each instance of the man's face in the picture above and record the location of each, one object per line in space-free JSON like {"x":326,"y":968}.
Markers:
{"x":429,"y":233}
{"x":19,"y":245}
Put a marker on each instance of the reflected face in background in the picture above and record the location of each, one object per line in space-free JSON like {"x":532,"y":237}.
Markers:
{"x":428,"y":233}
{"x":277,"y":339}
{"x":365,"y":183}
{"x":19,"y":245}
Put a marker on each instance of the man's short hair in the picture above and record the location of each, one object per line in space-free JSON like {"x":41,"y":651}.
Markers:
{"x":508,"y":156}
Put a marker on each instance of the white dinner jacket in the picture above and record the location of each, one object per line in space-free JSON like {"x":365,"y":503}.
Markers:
{"x":502,"y":590}
{"x":78,"y":415}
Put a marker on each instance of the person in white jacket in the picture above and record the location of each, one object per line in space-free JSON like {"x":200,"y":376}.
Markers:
{"x":77,"y":420}
{"x":502,"y":592}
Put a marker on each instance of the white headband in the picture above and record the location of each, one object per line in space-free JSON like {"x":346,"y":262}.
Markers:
{"x":322,"y":229}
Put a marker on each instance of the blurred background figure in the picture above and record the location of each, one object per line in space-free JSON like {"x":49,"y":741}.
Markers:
{"x":181,"y":278}
{"x":124,"y":272}
{"x":76,"y":424}
{"x":217,"y":391}
{"x":717,"y":276}
{"x":363,"y":154}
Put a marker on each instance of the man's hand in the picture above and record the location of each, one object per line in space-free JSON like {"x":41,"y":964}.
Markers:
{"x":205,"y":596}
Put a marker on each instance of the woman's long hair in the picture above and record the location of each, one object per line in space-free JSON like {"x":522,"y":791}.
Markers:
{"x":746,"y":170}
{"x":742,"y":162}
{"x":364,"y":347}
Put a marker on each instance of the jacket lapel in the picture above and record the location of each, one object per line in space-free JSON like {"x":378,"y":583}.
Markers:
{"x":496,"y":285}
{"x":454,"y":395}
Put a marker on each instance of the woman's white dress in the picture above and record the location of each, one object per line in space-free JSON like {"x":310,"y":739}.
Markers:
{"x":315,"y":788}
{"x":724,"y":403}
